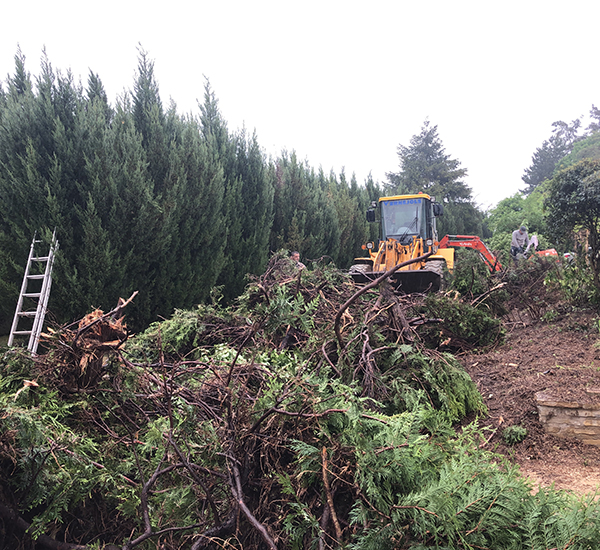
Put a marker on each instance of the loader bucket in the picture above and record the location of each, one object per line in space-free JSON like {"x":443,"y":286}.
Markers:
{"x":408,"y":282}
{"x":421,"y":280}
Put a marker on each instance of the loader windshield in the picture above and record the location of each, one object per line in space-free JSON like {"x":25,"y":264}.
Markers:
{"x":403,"y":218}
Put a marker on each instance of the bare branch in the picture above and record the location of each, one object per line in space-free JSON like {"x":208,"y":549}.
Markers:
{"x":239,"y":497}
{"x":336,"y":523}
{"x":368,"y":287}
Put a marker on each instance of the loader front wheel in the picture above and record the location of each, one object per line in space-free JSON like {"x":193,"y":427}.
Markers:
{"x":437,"y":267}
{"x":358,"y":272}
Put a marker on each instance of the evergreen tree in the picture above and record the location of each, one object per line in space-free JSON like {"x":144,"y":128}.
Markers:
{"x":544,"y":162}
{"x":96,"y":94}
{"x":132,"y":192}
{"x":594,"y":125}
{"x":585,"y":148}
{"x":149,"y":119}
{"x":546,"y":158}
{"x":291,"y":200}
{"x":195,"y":207}
{"x":39,"y":164}
{"x":304,"y":206}
{"x":256,"y":210}
{"x":223,"y":151}
{"x":144,"y":199}
{"x":425,"y":167}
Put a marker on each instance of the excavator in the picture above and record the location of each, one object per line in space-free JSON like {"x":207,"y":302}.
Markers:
{"x":493,"y":263}
{"x":475,"y":243}
{"x":408,"y":231}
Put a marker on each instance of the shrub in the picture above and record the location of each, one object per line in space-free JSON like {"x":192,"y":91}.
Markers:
{"x":514,"y":434}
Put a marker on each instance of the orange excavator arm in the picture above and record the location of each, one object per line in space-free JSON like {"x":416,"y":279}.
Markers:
{"x":474,"y":242}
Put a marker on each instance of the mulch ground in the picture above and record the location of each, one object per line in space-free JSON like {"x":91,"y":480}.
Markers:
{"x":560,"y":358}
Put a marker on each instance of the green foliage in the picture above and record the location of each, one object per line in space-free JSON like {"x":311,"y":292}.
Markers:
{"x":471,"y":327}
{"x":575,"y":281}
{"x":511,"y":213}
{"x":417,"y":380}
{"x":145,"y":199}
{"x":54,"y":469}
{"x":574,"y":204}
{"x":586,"y":148}
{"x":221,"y":418}
{"x":545,"y":161}
{"x":549,"y":158}
{"x":514,"y":434}
{"x":471,"y":501}
{"x":471,"y":275}
{"x":181,"y":335}
{"x":167,"y":443}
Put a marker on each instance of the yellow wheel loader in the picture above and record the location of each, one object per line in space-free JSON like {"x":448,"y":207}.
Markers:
{"x":407,"y":231}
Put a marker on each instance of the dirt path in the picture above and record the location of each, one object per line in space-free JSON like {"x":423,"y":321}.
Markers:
{"x":562,"y":358}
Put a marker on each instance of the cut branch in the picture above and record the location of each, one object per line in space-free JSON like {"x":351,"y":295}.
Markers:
{"x":336,"y":523}
{"x":239,"y":497}
{"x":368,"y":287}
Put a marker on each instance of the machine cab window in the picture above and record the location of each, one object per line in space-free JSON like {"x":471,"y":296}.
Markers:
{"x":401,"y":219}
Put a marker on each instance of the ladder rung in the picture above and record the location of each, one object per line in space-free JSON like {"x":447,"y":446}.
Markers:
{"x":21,"y":332}
{"x":27,"y":313}
{"x":40,"y":259}
{"x":32,"y":295}
{"x":40,"y":276}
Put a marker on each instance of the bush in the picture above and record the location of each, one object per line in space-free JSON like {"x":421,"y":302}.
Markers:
{"x":514,"y":434}
{"x":471,"y":276}
{"x":576,"y":283}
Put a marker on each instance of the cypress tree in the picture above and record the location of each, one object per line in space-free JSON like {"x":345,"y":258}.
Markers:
{"x":223,"y":151}
{"x":96,"y":95}
{"x":253,"y":211}
{"x":149,"y":119}
{"x":290,"y":204}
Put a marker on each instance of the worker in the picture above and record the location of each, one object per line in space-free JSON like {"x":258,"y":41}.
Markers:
{"x":295,"y":256}
{"x":519,"y":242}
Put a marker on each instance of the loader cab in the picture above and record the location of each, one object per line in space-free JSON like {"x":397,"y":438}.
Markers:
{"x":407,"y":216}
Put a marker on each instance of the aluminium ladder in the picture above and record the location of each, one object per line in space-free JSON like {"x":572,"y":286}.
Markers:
{"x":34,"y":295}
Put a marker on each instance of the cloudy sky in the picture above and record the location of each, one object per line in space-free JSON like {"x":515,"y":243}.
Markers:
{"x":343,"y":83}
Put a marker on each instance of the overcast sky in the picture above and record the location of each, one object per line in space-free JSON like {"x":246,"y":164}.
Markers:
{"x":342,"y":83}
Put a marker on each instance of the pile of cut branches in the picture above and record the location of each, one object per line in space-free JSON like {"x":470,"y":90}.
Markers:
{"x":311,"y":413}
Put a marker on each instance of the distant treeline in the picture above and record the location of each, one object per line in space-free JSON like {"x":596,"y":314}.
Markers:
{"x":143,"y":198}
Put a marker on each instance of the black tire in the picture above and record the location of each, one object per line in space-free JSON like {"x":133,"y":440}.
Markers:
{"x":437,"y":266}
{"x":359,"y":268}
